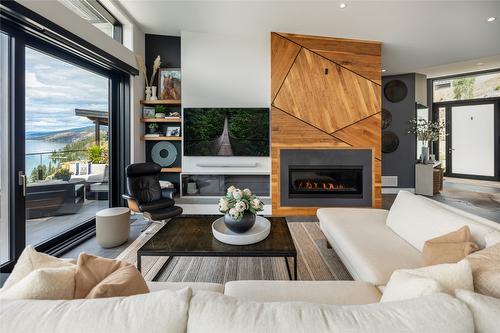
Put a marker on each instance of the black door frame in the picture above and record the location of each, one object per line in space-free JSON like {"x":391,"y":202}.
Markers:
{"x":119,"y":157}
{"x":448,"y":106}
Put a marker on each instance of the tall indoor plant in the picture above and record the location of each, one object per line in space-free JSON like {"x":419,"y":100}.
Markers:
{"x":427,"y":132}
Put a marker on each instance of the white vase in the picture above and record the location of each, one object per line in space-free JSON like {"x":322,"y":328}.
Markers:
{"x":153,"y":93}
{"x":424,"y":158}
{"x":148,"y":93}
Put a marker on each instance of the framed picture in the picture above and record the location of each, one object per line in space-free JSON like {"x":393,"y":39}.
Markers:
{"x":148,"y":112}
{"x":169,"y":82}
{"x":173,"y":131}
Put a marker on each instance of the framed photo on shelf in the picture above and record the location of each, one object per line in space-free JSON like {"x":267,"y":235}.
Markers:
{"x":173,"y":131}
{"x":169,"y":83}
{"x":148,"y":112}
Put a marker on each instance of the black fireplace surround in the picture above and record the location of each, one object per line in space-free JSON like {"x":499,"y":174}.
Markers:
{"x":325,"y":177}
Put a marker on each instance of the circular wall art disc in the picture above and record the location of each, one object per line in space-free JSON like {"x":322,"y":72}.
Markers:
{"x":386,"y":118}
{"x":164,"y":153}
{"x":390,"y":142}
{"x":395,"y":91}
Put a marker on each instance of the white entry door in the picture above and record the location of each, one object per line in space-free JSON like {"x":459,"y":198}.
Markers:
{"x":473,"y":140}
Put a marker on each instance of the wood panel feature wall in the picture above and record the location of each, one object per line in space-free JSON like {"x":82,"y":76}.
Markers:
{"x":325,"y":93}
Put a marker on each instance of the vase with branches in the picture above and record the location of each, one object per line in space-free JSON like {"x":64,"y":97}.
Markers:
{"x":427,"y":132}
{"x":150,"y":89}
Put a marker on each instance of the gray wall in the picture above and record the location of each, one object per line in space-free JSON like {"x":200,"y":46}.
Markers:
{"x":401,"y":163}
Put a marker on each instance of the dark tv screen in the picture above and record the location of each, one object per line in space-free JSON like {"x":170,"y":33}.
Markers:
{"x":226,"y":132}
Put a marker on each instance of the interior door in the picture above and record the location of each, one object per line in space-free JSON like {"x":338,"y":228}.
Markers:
{"x":471,"y":148}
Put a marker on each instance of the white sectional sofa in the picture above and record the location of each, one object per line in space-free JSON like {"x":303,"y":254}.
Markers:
{"x":373,"y":243}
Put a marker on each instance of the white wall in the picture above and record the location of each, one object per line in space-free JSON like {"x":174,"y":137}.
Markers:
{"x":225,"y":71}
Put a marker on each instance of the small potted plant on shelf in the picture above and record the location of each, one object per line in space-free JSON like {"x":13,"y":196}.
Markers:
{"x":153,"y":127}
{"x":239,"y":208}
{"x":160,"y":111}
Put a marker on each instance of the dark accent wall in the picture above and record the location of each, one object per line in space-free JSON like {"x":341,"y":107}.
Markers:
{"x":169,"y":49}
{"x":401,"y":163}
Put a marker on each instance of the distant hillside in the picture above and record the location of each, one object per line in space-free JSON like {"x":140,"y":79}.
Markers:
{"x":64,"y":136}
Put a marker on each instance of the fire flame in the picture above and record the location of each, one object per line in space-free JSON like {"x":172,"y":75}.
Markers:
{"x":315,"y":185}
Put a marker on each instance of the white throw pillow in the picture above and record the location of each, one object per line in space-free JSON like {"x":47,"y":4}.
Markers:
{"x":43,"y":283}
{"x":162,"y":311}
{"x":404,"y":285}
{"x":485,"y":309}
{"x":215,"y":313}
{"x":492,"y":238}
{"x":31,"y":260}
{"x":411,"y":283}
{"x":417,"y":219}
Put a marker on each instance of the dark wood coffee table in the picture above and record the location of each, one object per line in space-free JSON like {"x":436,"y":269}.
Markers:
{"x":191,"y":236}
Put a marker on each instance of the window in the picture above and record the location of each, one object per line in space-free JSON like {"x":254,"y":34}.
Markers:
{"x":66,"y":162}
{"x":467,"y":87}
{"x":97,"y":15}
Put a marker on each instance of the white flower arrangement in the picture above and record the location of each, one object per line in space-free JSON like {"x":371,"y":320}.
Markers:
{"x":236,"y":202}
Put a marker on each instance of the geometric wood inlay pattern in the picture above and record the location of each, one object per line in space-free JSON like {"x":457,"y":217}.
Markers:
{"x":283,"y":54}
{"x":325,"y":94}
{"x":365,"y":132}
{"x":362,"y":57}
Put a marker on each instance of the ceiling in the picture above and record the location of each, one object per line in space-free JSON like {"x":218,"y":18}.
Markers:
{"x":436,"y":38}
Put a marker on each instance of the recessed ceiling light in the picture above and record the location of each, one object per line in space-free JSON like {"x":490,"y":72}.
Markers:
{"x":480,"y":64}
{"x":384,"y":70}
{"x":343,"y":5}
{"x":490,"y":19}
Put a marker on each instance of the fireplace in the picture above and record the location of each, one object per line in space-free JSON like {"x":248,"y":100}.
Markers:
{"x":325,"y":177}
{"x":325,"y":182}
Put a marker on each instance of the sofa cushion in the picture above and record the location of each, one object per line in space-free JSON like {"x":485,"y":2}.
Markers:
{"x":216,"y":313}
{"x":369,"y":249}
{"x":195,"y":286}
{"x":485,"y":310}
{"x":417,"y":219}
{"x":162,"y":311}
{"x":325,"y":292}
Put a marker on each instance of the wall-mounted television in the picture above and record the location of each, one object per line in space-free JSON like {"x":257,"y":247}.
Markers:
{"x":226,"y":132}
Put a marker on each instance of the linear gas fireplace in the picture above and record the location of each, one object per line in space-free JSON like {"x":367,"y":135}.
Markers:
{"x":325,"y":182}
{"x":326,"y":177}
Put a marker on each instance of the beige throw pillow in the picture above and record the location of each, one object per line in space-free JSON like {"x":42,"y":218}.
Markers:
{"x":485,"y":266}
{"x":449,"y":248}
{"x":43,"y":283}
{"x":98,"y":277}
{"x":31,"y":260}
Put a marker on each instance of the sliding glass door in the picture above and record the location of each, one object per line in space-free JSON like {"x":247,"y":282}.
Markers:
{"x":5,"y":254}
{"x":66,"y":145}
{"x":64,"y":136}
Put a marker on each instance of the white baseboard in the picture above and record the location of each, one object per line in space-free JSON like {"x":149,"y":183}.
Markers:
{"x":395,"y":190}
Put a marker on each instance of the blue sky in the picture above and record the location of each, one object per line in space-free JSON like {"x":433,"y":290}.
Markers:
{"x":55,"y":88}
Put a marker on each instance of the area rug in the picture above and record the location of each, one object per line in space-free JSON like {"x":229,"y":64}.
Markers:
{"x":315,"y":261}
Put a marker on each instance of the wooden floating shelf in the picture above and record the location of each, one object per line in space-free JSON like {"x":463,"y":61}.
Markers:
{"x":162,"y":120}
{"x":171,"y":169}
{"x":163,"y":138}
{"x":163,"y":101}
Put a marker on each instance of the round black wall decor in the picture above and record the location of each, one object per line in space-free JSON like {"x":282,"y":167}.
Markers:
{"x":386,"y":118}
{"x":395,"y":91}
{"x":164,"y":153}
{"x":390,"y":142}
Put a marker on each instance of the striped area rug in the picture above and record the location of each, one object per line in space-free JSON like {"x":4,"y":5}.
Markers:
{"x":315,"y":261}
